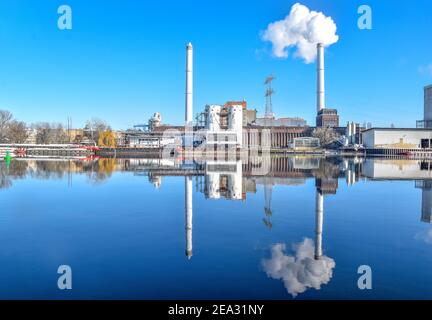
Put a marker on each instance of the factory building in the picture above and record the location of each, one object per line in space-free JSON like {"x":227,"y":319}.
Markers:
{"x":398,"y":141}
{"x":274,"y":137}
{"x":325,"y":117}
{"x":249,"y":116}
{"x":397,"y":138}
{"x":219,"y":133}
{"x":281,"y":122}
{"x":427,"y":118}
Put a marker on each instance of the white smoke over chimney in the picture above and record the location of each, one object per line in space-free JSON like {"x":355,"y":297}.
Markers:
{"x":302,"y":29}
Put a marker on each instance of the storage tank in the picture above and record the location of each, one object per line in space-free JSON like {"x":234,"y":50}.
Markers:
{"x":212,"y":181}
{"x":235,"y":183}
{"x":213,"y":117}
{"x":235,"y":122}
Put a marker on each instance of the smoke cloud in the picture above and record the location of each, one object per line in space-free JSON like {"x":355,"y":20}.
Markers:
{"x":302,"y":29}
{"x":301,"y":271}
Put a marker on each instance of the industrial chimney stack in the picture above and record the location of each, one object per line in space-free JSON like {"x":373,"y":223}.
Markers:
{"x":320,"y":78}
{"x":189,"y":85}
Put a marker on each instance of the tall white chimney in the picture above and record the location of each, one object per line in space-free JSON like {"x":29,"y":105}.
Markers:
{"x":189,"y":85}
{"x":320,"y":78}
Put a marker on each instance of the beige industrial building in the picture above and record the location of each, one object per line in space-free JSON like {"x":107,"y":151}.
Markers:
{"x":395,"y":138}
{"x":396,"y":141}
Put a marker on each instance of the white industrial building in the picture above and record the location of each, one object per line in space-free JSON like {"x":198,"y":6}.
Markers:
{"x":419,"y":138}
{"x":395,"y":138}
{"x":217,"y":136}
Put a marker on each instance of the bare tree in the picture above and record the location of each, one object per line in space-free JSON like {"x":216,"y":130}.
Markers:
{"x":42,"y":132}
{"x":5,"y":118}
{"x":49,"y":133}
{"x":59,"y":134}
{"x":326,"y":135}
{"x":16,"y":132}
{"x":94,"y":127}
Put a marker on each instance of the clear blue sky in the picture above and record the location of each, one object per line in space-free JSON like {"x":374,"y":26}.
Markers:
{"x":124,"y":60}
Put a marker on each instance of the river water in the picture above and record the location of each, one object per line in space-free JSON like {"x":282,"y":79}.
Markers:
{"x":283,"y":228}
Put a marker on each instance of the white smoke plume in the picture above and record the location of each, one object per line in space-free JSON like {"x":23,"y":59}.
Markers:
{"x":302,"y":29}
{"x":299,"y":272}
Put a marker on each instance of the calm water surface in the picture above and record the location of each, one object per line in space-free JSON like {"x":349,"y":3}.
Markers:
{"x":140,"y":228}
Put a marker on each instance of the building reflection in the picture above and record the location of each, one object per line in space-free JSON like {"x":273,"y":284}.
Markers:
{"x":234,"y":179}
{"x":224,"y":179}
{"x":419,"y":171}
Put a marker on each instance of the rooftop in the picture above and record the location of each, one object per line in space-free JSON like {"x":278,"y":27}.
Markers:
{"x":399,"y":129}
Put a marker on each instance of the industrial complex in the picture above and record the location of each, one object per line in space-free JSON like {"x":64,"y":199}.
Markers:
{"x":233,"y":125}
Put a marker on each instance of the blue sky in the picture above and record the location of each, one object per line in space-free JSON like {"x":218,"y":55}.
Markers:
{"x":124,"y":60}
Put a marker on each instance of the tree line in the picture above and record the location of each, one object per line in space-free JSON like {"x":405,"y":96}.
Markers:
{"x":96,"y":131}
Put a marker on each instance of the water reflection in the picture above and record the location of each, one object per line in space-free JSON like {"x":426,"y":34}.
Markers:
{"x":233,"y":180}
{"x":302,"y":264}
{"x":301,"y":270}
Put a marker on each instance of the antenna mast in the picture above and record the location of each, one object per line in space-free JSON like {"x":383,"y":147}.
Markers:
{"x":268,"y":94}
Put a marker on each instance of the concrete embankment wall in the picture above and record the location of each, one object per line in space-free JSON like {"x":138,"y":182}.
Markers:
{"x":400,"y":153}
{"x":59,"y":152}
{"x":129,"y":152}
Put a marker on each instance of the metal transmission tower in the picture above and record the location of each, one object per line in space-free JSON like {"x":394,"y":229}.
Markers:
{"x":268,"y":94}
{"x":268,"y":191}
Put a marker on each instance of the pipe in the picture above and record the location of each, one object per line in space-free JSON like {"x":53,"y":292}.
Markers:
{"x":320,"y":78}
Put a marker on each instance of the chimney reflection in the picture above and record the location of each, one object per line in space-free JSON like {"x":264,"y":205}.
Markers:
{"x":319,"y":214}
{"x":188,"y":215}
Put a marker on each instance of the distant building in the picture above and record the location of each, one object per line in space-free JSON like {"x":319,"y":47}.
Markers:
{"x":305,"y":143}
{"x":427,"y":117}
{"x":224,"y":125}
{"x":148,"y":140}
{"x":396,"y":138}
{"x":31,"y":136}
{"x":75,"y":135}
{"x":281,"y":122}
{"x":249,"y":116}
{"x":327,"y":118}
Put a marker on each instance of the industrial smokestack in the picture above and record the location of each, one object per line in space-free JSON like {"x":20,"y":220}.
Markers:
{"x":320,"y":78}
{"x":189,"y":85}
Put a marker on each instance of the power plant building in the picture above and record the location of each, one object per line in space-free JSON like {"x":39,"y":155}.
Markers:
{"x":327,"y":118}
{"x":397,"y":138}
{"x":281,"y":122}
